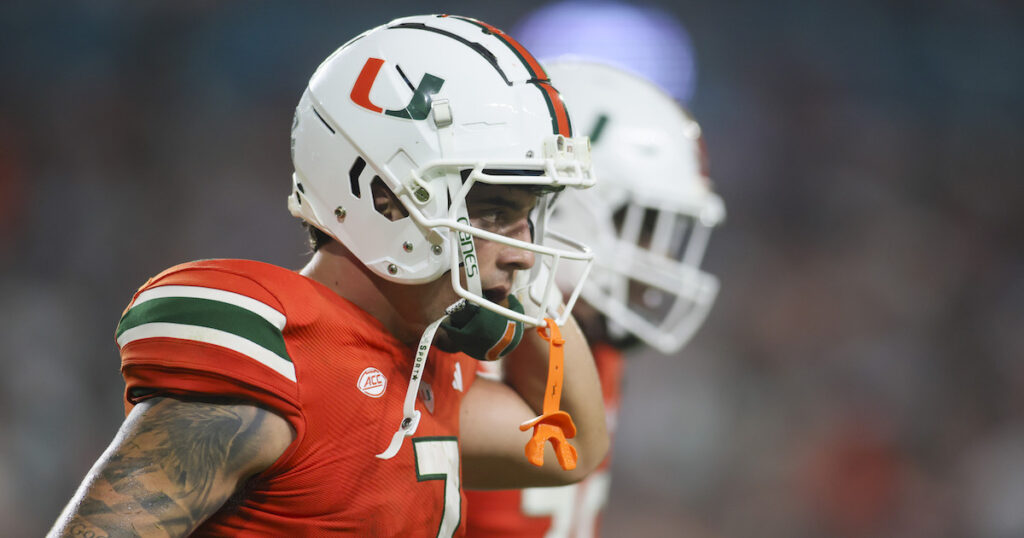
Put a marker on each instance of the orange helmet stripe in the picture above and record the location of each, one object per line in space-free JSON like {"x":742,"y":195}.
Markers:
{"x":559,"y":116}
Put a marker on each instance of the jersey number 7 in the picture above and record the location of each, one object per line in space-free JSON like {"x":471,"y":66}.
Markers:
{"x":437,"y":458}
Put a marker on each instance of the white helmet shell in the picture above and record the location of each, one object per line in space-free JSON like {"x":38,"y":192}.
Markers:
{"x":419,"y":103}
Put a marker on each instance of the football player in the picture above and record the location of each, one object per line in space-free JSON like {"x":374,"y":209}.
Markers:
{"x":342,"y":398}
{"x":648,"y":221}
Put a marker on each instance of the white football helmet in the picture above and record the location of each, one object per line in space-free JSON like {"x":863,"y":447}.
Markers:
{"x":421,"y":103}
{"x":649,"y":218}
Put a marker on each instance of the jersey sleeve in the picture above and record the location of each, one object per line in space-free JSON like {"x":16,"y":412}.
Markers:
{"x":208,"y":332}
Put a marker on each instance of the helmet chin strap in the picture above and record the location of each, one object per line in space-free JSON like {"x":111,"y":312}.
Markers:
{"x":463,"y":242}
{"x":410,"y":416}
{"x":442,"y":115}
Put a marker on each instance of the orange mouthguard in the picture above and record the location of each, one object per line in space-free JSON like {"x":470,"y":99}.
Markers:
{"x":553,"y":425}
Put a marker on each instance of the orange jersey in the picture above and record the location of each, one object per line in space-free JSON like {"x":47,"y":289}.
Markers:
{"x":258,"y":332}
{"x":566,"y":511}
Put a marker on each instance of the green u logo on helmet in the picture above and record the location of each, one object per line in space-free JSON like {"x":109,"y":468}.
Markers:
{"x":419,"y":105}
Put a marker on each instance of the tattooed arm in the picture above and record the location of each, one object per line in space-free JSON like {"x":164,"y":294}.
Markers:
{"x":172,"y":464}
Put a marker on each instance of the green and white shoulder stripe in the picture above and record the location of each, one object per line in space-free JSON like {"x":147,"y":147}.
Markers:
{"x":223,"y":318}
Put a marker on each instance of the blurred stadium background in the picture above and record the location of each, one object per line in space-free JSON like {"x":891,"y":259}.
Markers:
{"x":860,"y":376}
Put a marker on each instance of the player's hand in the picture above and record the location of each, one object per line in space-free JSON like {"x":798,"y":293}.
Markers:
{"x":481,"y":333}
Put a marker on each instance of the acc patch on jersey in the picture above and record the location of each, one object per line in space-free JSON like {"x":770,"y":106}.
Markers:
{"x":372,"y":382}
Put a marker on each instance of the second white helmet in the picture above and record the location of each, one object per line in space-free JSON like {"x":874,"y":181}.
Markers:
{"x":649,"y":218}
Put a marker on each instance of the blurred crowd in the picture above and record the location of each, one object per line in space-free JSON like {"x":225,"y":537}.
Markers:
{"x":861,"y":374}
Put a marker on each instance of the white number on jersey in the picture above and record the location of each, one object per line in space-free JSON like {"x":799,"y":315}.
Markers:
{"x":437,"y":458}
{"x":573,"y":509}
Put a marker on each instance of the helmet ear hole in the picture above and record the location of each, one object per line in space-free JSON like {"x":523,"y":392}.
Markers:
{"x":385,"y":202}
